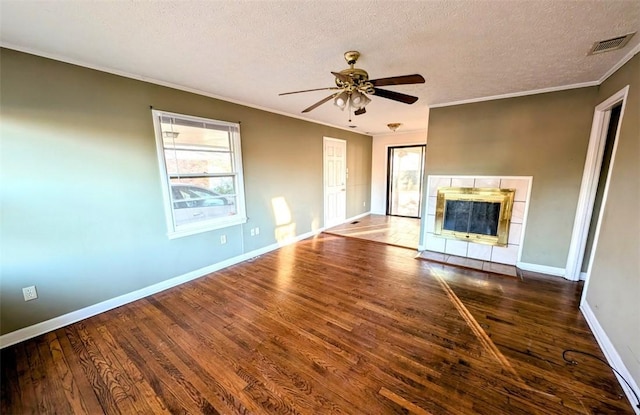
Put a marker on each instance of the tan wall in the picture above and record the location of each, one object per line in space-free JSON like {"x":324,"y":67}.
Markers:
{"x":544,"y":136}
{"x":613,"y":288}
{"x":82,"y":212}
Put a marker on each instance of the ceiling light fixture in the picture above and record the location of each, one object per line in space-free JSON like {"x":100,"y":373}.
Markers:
{"x":394,"y":126}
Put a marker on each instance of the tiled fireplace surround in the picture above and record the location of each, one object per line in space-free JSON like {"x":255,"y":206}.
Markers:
{"x":494,"y":254}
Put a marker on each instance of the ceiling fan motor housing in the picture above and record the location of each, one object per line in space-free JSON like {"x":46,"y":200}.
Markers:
{"x":356,"y":77}
{"x":351,"y":57}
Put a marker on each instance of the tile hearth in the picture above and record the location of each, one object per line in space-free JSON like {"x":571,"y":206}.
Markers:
{"x":471,"y":263}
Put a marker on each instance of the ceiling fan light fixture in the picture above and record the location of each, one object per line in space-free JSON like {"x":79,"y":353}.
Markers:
{"x":356,"y":99}
{"x":352,"y":87}
{"x":341,"y":100}
{"x":365,"y":100}
{"x":359,"y":100}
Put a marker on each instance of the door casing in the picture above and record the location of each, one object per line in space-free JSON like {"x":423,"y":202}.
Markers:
{"x":589,"y":185}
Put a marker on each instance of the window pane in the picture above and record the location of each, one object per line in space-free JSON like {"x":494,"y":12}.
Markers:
{"x":224,"y":185}
{"x":181,"y":136}
{"x":201,"y":199}
{"x":405,"y":180}
{"x":197,"y":162}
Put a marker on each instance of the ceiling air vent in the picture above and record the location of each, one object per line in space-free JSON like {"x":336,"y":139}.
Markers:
{"x":610,"y":44}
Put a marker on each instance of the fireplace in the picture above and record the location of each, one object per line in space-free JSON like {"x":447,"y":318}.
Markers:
{"x":480,"y":215}
{"x":459,"y":246}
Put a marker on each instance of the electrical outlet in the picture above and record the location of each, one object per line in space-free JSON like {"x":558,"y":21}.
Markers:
{"x":223,"y":239}
{"x":257,"y":231}
{"x":253,"y":232}
{"x":29,"y":293}
{"x":364,"y":204}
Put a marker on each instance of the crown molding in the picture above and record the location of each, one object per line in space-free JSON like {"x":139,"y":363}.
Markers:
{"x":399,"y":133}
{"x":196,"y":91}
{"x":517,"y":94}
{"x":620,"y":63}
{"x":599,"y":82}
{"x":112,"y":71}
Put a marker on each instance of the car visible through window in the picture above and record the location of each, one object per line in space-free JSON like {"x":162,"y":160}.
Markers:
{"x":193,"y":203}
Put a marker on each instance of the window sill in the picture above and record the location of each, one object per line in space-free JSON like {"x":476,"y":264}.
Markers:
{"x":205,"y":227}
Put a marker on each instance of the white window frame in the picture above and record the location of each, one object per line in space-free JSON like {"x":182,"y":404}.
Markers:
{"x":177,"y":231}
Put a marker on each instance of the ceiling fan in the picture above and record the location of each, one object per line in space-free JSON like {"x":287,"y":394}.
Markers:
{"x":353,"y":85}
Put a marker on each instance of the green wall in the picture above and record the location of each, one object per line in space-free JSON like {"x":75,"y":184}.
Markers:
{"x":544,"y":136}
{"x":82,"y":214}
{"x":613,"y":289}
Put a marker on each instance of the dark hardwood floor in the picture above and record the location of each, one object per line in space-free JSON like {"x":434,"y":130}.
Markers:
{"x":328,"y":325}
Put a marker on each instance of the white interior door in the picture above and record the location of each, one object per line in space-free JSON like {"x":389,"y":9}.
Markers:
{"x":335,"y":181}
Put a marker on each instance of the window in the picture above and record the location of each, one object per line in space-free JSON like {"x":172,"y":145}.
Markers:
{"x":201,"y":169}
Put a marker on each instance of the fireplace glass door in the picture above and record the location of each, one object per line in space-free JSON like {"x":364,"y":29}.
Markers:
{"x":466,"y":216}
{"x":404,"y":180}
{"x":479,"y":215}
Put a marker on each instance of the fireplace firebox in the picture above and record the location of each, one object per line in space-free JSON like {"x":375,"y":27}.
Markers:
{"x":480,"y":215}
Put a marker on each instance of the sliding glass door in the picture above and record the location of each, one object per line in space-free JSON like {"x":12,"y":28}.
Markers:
{"x":404,"y":180}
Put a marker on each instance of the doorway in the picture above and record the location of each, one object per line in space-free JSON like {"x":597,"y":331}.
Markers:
{"x":614,"y":119}
{"x":335,"y":181}
{"x":404,"y":180}
{"x":593,"y":190}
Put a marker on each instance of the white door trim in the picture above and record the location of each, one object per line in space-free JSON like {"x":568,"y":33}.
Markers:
{"x":589,"y":185}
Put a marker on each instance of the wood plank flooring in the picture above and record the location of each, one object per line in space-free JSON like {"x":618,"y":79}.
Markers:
{"x":328,"y":325}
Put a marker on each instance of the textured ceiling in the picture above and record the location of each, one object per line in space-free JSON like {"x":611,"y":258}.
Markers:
{"x":248,"y":52}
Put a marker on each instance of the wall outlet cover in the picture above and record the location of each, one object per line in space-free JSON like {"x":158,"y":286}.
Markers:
{"x":29,"y":293}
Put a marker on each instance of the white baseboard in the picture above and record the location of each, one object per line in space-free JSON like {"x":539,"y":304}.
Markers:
{"x":92,"y":310}
{"x":543,"y":269}
{"x":611,"y":354}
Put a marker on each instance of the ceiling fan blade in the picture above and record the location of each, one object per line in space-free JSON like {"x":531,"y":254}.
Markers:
{"x":317,"y":104}
{"x":398,"y":80}
{"x":361,"y":111}
{"x":396,"y":96}
{"x":344,"y":78}
{"x":309,"y":90}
